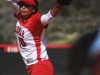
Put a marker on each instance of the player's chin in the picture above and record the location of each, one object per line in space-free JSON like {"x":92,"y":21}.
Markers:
{"x":24,"y":14}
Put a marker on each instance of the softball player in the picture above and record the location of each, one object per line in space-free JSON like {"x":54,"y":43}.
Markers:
{"x":30,"y":34}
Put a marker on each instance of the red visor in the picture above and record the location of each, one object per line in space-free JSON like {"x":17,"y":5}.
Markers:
{"x":29,"y":2}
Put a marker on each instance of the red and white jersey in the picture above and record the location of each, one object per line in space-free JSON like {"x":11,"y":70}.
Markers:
{"x":31,"y":39}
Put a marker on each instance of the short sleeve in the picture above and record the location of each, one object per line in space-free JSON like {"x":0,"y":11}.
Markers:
{"x":38,"y":21}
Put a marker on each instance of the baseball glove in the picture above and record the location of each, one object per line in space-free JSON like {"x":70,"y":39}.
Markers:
{"x":64,"y":2}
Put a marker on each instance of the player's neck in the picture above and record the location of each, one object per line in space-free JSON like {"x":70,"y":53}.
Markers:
{"x":26,"y":17}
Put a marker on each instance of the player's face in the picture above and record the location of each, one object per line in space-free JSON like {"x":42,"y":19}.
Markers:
{"x":26,"y":10}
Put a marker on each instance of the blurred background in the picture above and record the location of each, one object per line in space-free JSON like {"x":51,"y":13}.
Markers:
{"x":73,"y":21}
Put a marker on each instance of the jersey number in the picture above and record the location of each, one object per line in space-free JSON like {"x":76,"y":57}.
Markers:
{"x":21,"y":42}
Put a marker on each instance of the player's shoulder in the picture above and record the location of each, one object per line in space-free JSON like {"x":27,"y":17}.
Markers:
{"x":37,"y":14}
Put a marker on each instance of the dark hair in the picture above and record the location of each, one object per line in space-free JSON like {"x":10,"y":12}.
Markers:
{"x":78,"y":55}
{"x":37,"y":6}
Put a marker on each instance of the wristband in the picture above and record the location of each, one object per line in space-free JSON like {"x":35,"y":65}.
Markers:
{"x":59,"y":6}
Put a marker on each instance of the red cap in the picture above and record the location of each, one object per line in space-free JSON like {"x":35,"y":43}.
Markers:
{"x":29,"y":2}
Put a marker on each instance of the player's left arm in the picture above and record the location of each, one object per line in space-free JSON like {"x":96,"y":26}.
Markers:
{"x":49,"y":17}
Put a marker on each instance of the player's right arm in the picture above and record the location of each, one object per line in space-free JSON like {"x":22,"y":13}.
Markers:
{"x":13,"y":4}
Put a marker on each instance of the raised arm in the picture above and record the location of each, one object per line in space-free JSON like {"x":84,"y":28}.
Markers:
{"x":60,"y":3}
{"x":49,"y":17}
{"x":13,"y":4}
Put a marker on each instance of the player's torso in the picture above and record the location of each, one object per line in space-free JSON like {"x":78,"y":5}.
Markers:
{"x":31,"y":42}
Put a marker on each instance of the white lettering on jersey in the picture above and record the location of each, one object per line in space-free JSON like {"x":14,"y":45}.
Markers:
{"x":20,"y":31}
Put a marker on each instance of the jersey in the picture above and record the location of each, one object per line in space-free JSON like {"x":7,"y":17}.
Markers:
{"x":31,"y":40}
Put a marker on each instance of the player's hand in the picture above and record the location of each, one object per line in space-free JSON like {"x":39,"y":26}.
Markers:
{"x":64,"y":2}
